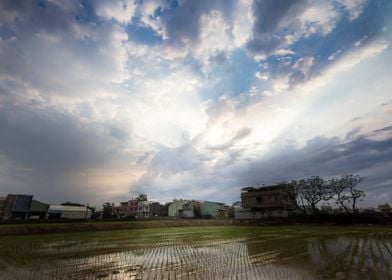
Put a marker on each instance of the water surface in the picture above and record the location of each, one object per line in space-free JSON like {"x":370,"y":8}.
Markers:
{"x":224,"y":252}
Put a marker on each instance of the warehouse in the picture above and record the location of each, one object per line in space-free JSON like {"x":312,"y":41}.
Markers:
{"x":68,"y":212}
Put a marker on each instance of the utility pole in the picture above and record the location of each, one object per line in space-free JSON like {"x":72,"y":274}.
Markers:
{"x":85,"y":217}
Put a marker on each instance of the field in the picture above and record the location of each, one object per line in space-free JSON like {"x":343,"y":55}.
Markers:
{"x":205,"y":252}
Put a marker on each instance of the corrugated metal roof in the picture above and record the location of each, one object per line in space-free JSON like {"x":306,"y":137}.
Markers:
{"x":67,"y":208}
{"x":38,"y":206}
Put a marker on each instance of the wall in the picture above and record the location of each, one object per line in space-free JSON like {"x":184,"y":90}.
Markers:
{"x":209,"y":208}
{"x":174,"y":207}
{"x":76,"y":214}
{"x":252,"y":215}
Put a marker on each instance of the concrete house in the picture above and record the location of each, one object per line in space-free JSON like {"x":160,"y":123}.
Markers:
{"x":127,"y":209}
{"x":264,"y":202}
{"x":147,"y":209}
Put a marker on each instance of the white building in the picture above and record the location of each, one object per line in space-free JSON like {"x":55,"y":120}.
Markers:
{"x":68,"y":212}
{"x":147,"y":209}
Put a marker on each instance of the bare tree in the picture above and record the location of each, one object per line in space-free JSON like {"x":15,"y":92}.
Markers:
{"x":344,"y":191}
{"x":291,"y":192}
{"x":313,"y":190}
{"x":306,"y":193}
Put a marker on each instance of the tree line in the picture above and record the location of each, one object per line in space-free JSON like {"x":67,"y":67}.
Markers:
{"x":305,"y":194}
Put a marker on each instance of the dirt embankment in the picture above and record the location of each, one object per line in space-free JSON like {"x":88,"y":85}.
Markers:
{"x":94,"y":226}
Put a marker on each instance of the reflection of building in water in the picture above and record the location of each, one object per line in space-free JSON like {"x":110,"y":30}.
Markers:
{"x":212,"y":259}
{"x":271,"y":255}
{"x":264,"y":202}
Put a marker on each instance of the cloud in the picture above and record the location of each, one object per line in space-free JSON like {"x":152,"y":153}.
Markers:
{"x":204,"y":30}
{"x":54,"y":155}
{"x":353,"y":7}
{"x":279,"y":24}
{"x":346,"y":62}
{"x":239,"y":135}
{"x":189,"y":98}
{"x":218,"y":58}
{"x":188,"y":170}
{"x":302,"y":71}
{"x":311,"y":72}
{"x":54,"y":51}
{"x":327,"y":157}
{"x":121,"y":11}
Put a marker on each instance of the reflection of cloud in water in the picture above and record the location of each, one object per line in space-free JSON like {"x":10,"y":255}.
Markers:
{"x":175,"y":258}
{"x":218,"y":259}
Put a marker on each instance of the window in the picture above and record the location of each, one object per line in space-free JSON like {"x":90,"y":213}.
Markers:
{"x":259,"y":199}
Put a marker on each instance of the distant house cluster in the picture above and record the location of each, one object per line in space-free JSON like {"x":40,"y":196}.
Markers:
{"x":24,"y":207}
{"x":256,"y":203}
{"x":193,"y":208}
{"x":138,"y":207}
{"x":21,"y":207}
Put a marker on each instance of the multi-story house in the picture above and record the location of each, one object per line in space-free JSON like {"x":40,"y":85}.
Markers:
{"x":127,"y":209}
{"x":148,"y":209}
{"x":264,"y":202}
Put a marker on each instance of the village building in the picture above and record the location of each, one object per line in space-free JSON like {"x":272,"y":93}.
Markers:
{"x":38,"y":210}
{"x":197,"y":209}
{"x":148,"y":209}
{"x":16,"y":206}
{"x":384,"y":208}
{"x":68,"y":212}
{"x":214,"y":209}
{"x":264,"y":202}
{"x":326,"y":209}
{"x":127,"y":209}
{"x":176,"y":208}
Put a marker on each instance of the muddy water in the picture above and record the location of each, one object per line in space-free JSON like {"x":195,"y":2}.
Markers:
{"x":211,"y":253}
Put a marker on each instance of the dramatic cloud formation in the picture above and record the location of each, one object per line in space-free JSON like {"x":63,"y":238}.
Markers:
{"x":100,"y":100}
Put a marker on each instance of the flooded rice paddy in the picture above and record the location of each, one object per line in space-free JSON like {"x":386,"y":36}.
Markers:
{"x":223,"y":252}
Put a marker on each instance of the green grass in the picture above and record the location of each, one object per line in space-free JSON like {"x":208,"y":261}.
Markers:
{"x":305,"y":252}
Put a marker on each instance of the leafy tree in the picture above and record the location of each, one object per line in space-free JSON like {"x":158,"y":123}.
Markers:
{"x":165,"y":209}
{"x":197,"y":211}
{"x":344,"y":191}
{"x":230,"y":212}
{"x":142,"y":197}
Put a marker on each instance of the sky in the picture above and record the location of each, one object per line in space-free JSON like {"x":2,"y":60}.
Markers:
{"x":102,"y":100}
